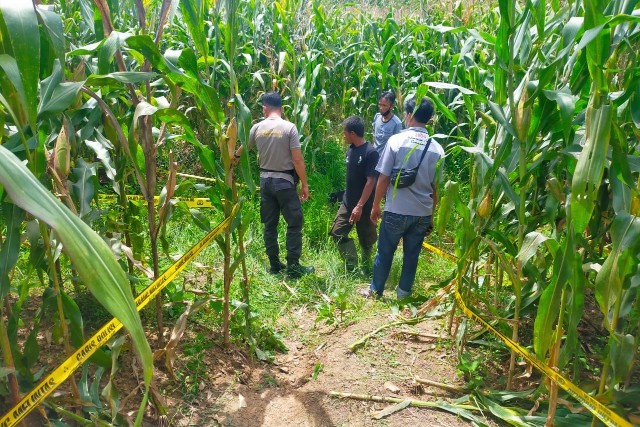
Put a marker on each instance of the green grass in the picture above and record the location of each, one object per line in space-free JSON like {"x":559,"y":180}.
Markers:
{"x":329,"y":294}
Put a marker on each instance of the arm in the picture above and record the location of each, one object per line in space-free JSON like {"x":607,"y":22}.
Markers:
{"x":398,"y":128}
{"x":381,"y":190}
{"x":236,"y":155}
{"x":252,"y":141}
{"x":298,"y":164}
{"x":356,"y":213}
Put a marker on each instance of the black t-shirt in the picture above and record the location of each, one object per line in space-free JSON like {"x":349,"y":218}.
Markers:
{"x":361,"y":163}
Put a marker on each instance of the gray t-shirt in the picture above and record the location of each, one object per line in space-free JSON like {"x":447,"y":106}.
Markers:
{"x":275,"y":138}
{"x":417,"y":199}
{"x":382,"y":131}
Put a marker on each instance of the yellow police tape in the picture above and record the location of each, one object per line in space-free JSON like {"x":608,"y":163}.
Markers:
{"x":104,"y":334}
{"x":605,"y":414}
{"x":439,"y":252}
{"x":192,"y":202}
{"x":201,"y":178}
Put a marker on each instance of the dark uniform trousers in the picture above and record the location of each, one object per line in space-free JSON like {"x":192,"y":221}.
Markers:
{"x":279,"y":196}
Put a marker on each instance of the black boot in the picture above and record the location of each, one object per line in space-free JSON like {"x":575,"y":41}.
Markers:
{"x":296,"y":270}
{"x":348,"y":251}
{"x":276,"y":266}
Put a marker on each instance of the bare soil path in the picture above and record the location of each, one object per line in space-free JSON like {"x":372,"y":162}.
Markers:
{"x":294,"y":390}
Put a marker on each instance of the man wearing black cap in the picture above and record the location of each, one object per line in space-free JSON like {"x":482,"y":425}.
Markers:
{"x":281,"y":165}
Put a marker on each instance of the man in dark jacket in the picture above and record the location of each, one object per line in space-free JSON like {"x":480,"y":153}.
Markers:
{"x":357,"y":200}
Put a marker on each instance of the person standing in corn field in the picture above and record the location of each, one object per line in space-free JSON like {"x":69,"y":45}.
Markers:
{"x":357,"y":200}
{"x":385,"y":123}
{"x":281,"y":167}
{"x":408,"y":210}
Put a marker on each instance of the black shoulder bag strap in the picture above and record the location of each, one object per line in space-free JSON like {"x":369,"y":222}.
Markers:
{"x":424,"y":153}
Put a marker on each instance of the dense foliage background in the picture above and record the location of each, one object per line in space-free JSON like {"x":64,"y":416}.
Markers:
{"x":538,"y":106}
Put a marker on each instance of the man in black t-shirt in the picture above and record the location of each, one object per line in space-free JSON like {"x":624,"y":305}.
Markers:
{"x":357,"y":201}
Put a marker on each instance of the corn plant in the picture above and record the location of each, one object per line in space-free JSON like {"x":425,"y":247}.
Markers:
{"x":28,"y":105}
{"x":552,"y":176}
{"x":536,"y":102}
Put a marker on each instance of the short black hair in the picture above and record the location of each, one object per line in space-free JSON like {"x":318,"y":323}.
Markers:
{"x":272,"y":99}
{"x":354,"y":124}
{"x":423,"y":113}
{"x":389,"y":96}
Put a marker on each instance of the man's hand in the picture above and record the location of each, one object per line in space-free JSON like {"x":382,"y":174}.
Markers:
{"x":356,"y":214}
{"x":376,"y":213}
{"x":304,"y":193}
{"x":236,"y":156}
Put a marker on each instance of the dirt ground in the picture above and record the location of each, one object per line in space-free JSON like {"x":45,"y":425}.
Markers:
{"x":287,"y":393}
{"x":295,"y":389}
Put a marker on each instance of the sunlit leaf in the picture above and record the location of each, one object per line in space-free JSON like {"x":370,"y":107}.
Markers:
{"x":91,"y":257}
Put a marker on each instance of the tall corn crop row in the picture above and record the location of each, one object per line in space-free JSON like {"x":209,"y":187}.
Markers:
{"x":537,"y":105}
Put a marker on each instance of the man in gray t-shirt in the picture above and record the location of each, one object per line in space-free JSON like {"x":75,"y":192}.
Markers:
{"x":385,"y":123}
{"x":408,"y":211}
{"x":281,"y":164}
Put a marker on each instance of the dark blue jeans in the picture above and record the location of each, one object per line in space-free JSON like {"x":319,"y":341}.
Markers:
{"x":412,"y":230}
{"x":279,"y":196}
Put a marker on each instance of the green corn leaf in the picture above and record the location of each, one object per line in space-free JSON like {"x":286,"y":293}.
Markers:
{"x":442,"y":107}
{"x":549,"y":305}
{"x":200,"y":219}
{"x":206,"y":97}
{"x":72,"y":313}
{"x":86,"y":50}
{"x":622,"y":356}
{"x":567,"y":104}
{"x":52,"y":23}
{"x":620,"y":162}
{"x":133,"y":77}
{"x":23,"y":37}
{"x":514,"y":417}
{"x":101,"y":149}
{"x":450,"y":86}
{"x":90,"y":255}
{"x":502,"y":51}
{"x":590,"y":167}
{"x":445,"y":208}
{"x":62,"y":96}
{"x":619,"y":265}
{"x":84,"y":188}
{"x":193,"y":14}
{"x":530,"y":245}
{"x":108,"y":50}
{"x":244,"y":126}
{"x":10,"y":250}
{"x":10,"y":68}
{"x":598,"y":49}
{"x":621,"y":195}
{"x":498,"y":114}
{"x":635,"y":107}
{"x":48,"y":85}
{"x":575,"y":310}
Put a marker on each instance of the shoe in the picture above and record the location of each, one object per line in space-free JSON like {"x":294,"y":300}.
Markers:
{"x":368,"y":293}
{"x":296,"y":271}
{"x":277,"y":267}
{"x":402,"y":295}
